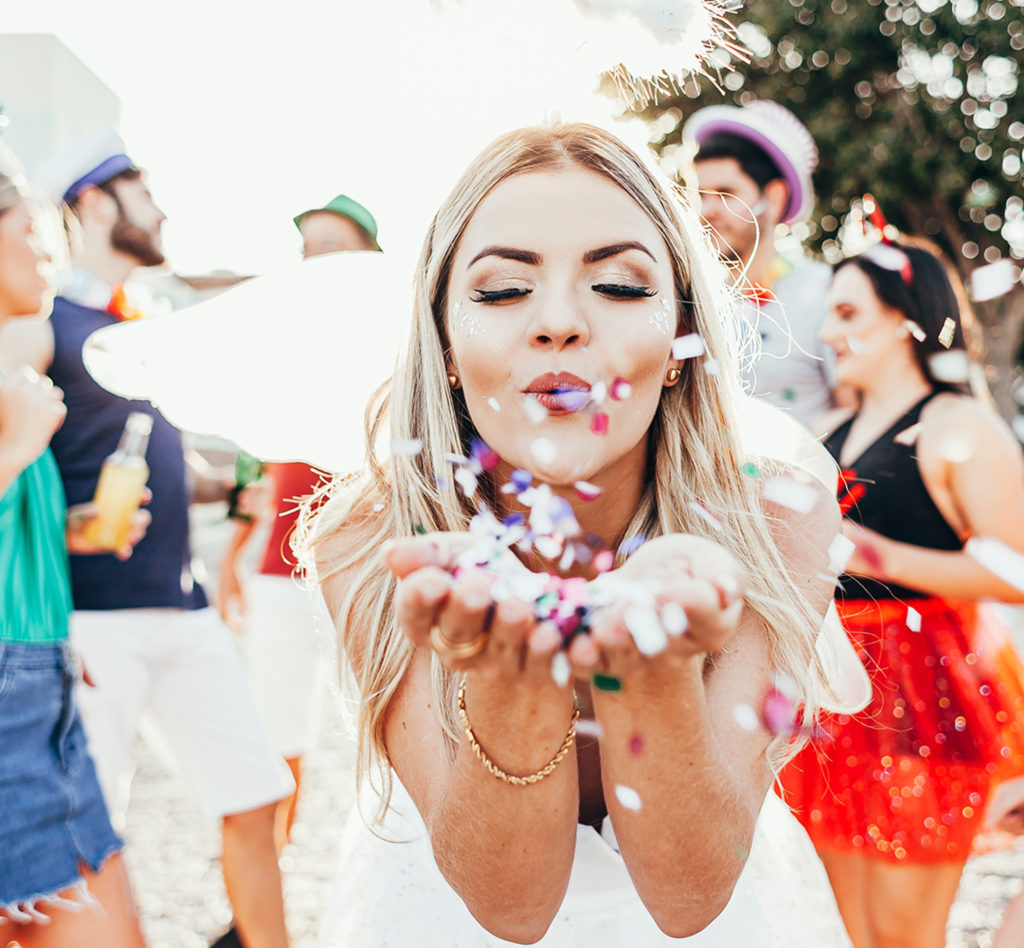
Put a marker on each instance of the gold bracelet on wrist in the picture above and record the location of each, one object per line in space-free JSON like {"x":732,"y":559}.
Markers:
{"x":492,"y":768}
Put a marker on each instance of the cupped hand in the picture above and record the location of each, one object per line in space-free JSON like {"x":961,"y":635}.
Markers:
{"x":451,"y":609}
{"x":80,"y":516}
{"x":676,"y":598}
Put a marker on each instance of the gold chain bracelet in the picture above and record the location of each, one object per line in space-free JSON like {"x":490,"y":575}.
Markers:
{"x":493,"y":768}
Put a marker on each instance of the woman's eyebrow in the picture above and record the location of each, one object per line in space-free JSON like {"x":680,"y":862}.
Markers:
{"x":508,"y":253}
{"x":603,"y":253}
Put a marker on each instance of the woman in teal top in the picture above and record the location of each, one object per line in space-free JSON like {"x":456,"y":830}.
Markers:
{"x":62,"y":880}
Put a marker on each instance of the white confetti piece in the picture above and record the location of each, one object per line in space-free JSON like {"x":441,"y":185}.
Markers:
{"x":688,"y":347}
{"x":535,"y":411}
{"x":790,"y":493}
{"x":599,"y":393}
{"x":646,"y":629}
{"x":493,"y":403}
{"x":628,"y":797}
{"x":589,"y":728}
{"x":712,"y":366}
{"x":839,"y":552}
{"x":947,"y":332}
{"x":994,"y":280}
{"x":998,"y":558}
{"x":705,"y":515}
{"x":548,"y":547}
{"x":950,"y":366}
{"x":377,"y":508}
{"x":857,"y":346}
{"x":916,"y":331}
{"x":586,"y":490}
{"x":673,"y":618}
{"x":466,"y":479}
{"x":543,"y":449}
{"x":406,"y":447}
{"x":746,"y":717}
{"x":913,"y":619}
{"x":560,"y":670}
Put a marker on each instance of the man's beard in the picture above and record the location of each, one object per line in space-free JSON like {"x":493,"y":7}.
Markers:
{"x":131,"y":239}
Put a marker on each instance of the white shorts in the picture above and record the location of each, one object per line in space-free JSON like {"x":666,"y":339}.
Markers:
{"x":178,"y":674}
{"x":284,"y":645}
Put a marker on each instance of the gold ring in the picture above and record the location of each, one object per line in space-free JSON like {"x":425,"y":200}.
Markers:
{"x":441,"y":643}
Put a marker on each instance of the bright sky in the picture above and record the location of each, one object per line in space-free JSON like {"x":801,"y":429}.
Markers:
{"x":245,"y":113}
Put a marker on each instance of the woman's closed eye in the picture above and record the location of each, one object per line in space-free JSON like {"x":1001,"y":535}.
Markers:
{"x":500,"y":296}
{"x":623,"y":291}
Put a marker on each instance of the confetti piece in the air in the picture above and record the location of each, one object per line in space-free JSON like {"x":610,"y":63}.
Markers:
{"x":688,"y":347}
{"x":913,"y":619}
{"x":839,"y":552}
{"x":953,"y":365}
{"x":746,"y":717}
{"x":543,"y":450}
{"x":947,"y":332}
{"x":673,"y":618}
{"x":560,"y":669}
{"x":857,"y":346}
{"x":636,"y":744}
{"x":628,"y":797}
{"x":377,"y":508}
{"x":789,"y":492}
{"x":646,"y":629}
{"x":485,"y":457}
{"x":604,"y":561}
{"x":706,"y":515}
{"x":750,"y":469}
{"x":915,"y":330}
{"x":406,"y":447}
{"x":535,"y":411}
{"x":620,"y":389}
{"x":993,"y":280}
{"x":998,"y":558}
{"x":589,"y":728}
{"x":599,"y":423}
{"x":712,"y":366}
{"x":631,"y":544}
{"x":586,"y":490}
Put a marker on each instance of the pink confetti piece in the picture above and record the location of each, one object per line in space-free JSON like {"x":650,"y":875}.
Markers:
{"x":599,"y":423}
{"x":628,"y":797}
{"x":635,"y":744}
{"x":587,"y":491}
{"x":604,"y":561}
{"x":789,"y":492}
{"x":620,"y":389}
{"x":688,"y":347}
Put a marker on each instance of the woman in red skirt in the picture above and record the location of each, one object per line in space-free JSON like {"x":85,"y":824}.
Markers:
{"x":895,"y":796}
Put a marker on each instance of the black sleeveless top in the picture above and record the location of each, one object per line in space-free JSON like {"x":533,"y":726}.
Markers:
{"x":159,"y":571}
{"x":883,"y":490}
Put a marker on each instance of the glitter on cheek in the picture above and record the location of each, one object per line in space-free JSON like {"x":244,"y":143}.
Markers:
{"x":661,"y":318}
{"x":467,"y":324}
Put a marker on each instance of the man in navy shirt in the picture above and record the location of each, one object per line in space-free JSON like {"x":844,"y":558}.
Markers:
{"x":146,"y":633}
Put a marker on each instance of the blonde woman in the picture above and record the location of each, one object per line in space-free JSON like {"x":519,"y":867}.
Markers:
{"x":513,"y":706}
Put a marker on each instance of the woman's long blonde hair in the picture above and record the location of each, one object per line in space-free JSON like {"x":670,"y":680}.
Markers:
{"x":693,"y":466}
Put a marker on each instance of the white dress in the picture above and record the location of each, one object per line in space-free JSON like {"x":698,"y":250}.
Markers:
{"x":392,"y":895}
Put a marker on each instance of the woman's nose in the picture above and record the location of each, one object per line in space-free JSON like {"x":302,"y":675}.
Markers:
{"x":560,"y":321}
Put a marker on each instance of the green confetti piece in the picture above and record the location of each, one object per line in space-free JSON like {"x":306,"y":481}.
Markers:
{"x":789,"y":394}
{"x":606,"y":682}
{"x":419,"y":528}
{"x":750,"y":469}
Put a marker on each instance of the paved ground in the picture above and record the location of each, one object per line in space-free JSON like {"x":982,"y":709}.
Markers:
{"x":173,"y":850}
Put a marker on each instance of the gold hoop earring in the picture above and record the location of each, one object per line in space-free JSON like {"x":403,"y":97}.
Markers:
{"x":672,"y":377}
{"x":453,"y":380}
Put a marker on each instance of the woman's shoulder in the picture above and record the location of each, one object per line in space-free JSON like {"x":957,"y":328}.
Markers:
{"x":955,"y":428}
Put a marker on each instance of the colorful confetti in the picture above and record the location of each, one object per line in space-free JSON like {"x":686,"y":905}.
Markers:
{"x":789,"y":492}
{"x":599,"y":423}
{"x":606,"y":682}
{"x":688,"y":347}
{"x":628,"y":797}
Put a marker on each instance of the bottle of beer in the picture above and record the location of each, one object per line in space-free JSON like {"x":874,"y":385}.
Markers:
{"x":122,"y":480}
{"x":248,"y":469}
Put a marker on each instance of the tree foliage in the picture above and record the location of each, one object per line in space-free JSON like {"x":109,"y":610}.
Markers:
{"x":915,"y":101}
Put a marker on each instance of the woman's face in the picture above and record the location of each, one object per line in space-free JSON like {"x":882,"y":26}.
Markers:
{"x":864,"y":332}
{"x":561,"y":286}
{"x":22,"y":283}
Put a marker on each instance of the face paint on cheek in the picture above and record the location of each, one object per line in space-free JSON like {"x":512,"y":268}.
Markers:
{"x":661,"y":317}
{"x":466,"y":323}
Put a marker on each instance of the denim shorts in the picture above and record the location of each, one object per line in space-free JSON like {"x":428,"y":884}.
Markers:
{"x":52,"y":814}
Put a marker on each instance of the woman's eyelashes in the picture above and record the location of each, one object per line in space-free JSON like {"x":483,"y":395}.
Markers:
{"x":619,"y":291}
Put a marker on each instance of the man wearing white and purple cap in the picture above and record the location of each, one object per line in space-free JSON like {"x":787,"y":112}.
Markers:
{"x":753,"y":165}
{"x":148,"y":637}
